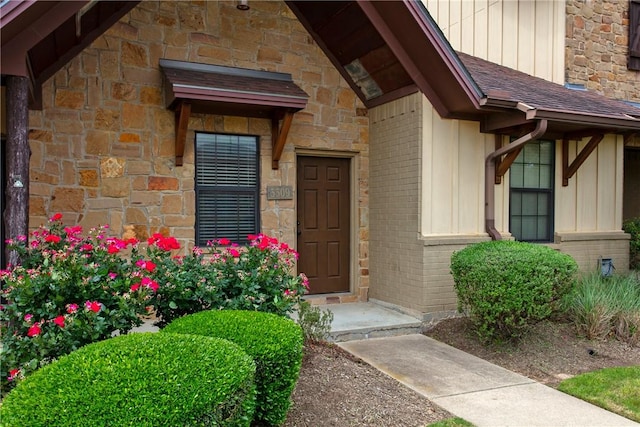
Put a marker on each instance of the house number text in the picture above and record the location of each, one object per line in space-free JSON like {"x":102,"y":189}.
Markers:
{"x":282,"y":192}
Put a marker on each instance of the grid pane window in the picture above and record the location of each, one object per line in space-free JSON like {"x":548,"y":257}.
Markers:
{"x":227,"y":187}
{"x":531,"y":198}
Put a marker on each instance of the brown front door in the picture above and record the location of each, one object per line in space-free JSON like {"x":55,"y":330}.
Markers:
{"x":323,"y":223}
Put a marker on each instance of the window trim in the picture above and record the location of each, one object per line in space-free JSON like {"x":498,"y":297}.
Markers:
{"x":550,"y":192}
{"x":227,"y":189}
{"x":634,"y":35}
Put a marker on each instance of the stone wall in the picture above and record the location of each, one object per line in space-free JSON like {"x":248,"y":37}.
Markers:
{"x":597,"y":45}
{"x":103,"y":145}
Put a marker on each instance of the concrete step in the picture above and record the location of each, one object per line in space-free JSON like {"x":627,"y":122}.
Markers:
{"x":352,"y":321}
{"x":357,"y":321}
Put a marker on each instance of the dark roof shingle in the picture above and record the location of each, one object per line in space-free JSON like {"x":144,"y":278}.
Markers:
{"x":499,"y":82}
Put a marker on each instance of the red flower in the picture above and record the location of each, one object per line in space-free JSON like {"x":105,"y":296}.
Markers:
{"x":151,"y":284}
{"x":52,"y":238}
{"x":72,"y":308}
{"x":164,"y":243}
{"x":168,"y":244}
{"x":87,"y":247}
{"x":113,"y":249}
{"x":224,"y":242}
{"x":59,"y":321}
{"x":56,"y":217}
{"x":147,"y":265}
{"x":135,"y":287}
{"x":234,"y":253}
{"x":13,"y":374}
{"x":34,"y":331}
{"x":93,"y":306}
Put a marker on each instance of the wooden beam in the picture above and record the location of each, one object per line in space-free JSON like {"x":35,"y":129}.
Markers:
{"x":503,"y":165}
{"x":499,"y":122}
{"x":568,"y":170}
{"x":506,"y":163}
{"x":578,"y":135}
{"x":565,"y":160}
{"x":16,"y":213}
{"x":182,"y":125}
{"x":628,"y":137}
{"x":497,"y":160}
{"x":279,"y":137}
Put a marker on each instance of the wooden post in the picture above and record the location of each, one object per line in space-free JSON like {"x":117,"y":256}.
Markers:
{"x":16,"y":213}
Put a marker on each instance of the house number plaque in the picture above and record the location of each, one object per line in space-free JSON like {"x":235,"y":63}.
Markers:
{"x":282,"y":192}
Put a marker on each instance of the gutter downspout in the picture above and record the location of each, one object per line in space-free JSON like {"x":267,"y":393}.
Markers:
{"x":490,"y":172}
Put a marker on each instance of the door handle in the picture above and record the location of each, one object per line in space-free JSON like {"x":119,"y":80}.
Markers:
{"x":298,"y":228}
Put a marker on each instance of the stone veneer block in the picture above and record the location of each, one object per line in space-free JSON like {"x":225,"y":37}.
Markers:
{"x":112,"y":167}
{"x":66,"y":199}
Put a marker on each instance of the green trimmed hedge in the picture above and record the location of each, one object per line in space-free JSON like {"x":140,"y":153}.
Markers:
{"x":505,"y":286}
{"x":274,"y":342}
{"x":143,"y":379}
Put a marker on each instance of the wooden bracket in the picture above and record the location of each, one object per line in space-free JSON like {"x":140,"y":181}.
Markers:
{"x":503,"y":165}
{"x":279,"y":137}
{"x":182,"y":124}
{"x":628,"y":137}
{"x":568,"y":170}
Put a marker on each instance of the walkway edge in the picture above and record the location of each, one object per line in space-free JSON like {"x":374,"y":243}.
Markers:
{"x":474,"y":389}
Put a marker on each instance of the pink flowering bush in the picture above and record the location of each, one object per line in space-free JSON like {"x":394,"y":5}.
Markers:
{"x":70,"y":290}
{"x":255,"y":277}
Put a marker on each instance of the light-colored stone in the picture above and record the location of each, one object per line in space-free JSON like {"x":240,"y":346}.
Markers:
{"x":112,"y":167}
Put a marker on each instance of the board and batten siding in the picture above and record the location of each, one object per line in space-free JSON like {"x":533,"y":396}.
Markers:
{"x":526,"y":35}
{"x":453,"y":153}
{"x":592,"y":202}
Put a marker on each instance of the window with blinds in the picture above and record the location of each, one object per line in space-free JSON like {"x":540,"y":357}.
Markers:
{"x":227,"y":187}
{"x":531,"y":193}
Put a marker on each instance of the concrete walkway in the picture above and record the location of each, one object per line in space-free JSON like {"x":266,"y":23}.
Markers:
{"x":467,"y":386}
{"x":474,"y":389}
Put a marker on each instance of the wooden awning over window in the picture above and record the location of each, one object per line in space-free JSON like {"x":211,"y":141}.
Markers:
{"x":211,"y":89}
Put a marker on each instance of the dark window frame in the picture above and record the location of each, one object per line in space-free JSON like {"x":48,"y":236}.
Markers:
{"x":3,"y":185}
{"x":548,"y":192}
{"x":203,"y":190}
{"x":634,"y":35}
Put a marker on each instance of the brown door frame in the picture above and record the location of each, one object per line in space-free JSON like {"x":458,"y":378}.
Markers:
{"x":353,"y":207}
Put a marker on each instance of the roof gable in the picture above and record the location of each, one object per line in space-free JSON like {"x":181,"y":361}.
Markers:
{"x":384,"y":50}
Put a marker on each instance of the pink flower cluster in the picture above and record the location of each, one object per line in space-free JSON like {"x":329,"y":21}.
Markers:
{"x":264,"y":242}
{"x":147,"y":283}
{"x":36,"y":329}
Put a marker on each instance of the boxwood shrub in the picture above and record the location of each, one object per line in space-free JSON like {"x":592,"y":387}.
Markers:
{"x":275,"y":343}
{"x":632,"y":226}
{"x":144,"y":379}
{"x":505,"y":286}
